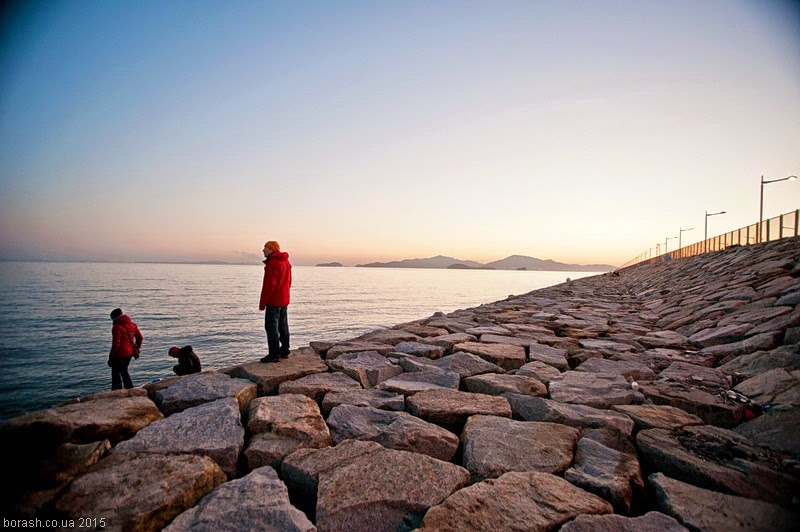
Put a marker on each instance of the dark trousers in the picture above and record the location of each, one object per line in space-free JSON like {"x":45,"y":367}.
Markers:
{"x":119,"y":373}
{"x":277,"y":325}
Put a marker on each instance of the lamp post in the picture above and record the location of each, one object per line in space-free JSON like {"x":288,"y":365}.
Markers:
{"x":761,"y":201}
{"x":705,"y":236}
{"x":680,"y":233}
{"x":666,"y":242}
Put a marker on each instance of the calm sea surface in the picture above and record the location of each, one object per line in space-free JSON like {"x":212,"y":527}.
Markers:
{"x":55,"y":331}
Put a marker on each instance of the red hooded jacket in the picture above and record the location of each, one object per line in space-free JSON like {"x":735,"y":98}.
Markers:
{"x":125,"y":336}
{"x":277,"y":281}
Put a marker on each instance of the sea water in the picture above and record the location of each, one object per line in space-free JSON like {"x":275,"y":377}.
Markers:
{"x":55,"y":330}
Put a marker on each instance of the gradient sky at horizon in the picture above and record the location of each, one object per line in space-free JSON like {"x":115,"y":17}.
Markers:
{"x":355,"y":131}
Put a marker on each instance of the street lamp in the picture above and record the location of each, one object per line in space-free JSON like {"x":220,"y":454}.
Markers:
{"x":680,"y":233}
{"x":666,"y":242}
{"x":761,"y":202}
{"x":705,"y":237}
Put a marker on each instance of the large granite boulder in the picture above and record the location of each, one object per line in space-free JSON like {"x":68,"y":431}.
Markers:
{"x":746,"y":366}
{"x":506,"y":356}
{"x":657,"y":416}
{"x":374,"y":398}
{"x":301,"y":469}
{"x":448,"y":341}
{"x":367,"y":367}
{"x":515,"y":501}
{"x":540,"y":371}
{"x":292,"y":415}
{"x":388,"y":336}
{"x":316,"y":385}
{"x":115,"y":489}
{"x":633,"y":370}
{"x":211,"y":429}
{"x":530,"y":408}
{"x":775,"y":386}
{"x":419,"y":349}
{"x":779,"y":431}
{"x":204,"y":388}
{"x":599,"y":390}
{"x":711,"y":408}
{"x":394,"y":430}
{"x":664,"y":339}
{"x":615,"y":476}
{"x":411,"y":383}
{"x":382,"y":490}
{"x":467,"y":364}
{"x":716,"y":459}
{"x":693,"y":375}
{"x":269,"y":376}
{"x":451,"y":407}
{"x":357,"y":347}
{"x":113,"y":416}
{"x":258,"y":501}
{"x":492,"y":446}
{"x":549,"y":355}
{"x":493,"y":384}
{"x":702,"y":509}
{"x":649,"y":522}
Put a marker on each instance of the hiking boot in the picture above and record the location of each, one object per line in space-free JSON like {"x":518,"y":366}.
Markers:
{"x":285,"y":354}
{"x":270,"y":358}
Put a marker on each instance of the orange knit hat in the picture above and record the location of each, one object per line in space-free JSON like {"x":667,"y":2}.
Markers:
{"x":274,"y":246}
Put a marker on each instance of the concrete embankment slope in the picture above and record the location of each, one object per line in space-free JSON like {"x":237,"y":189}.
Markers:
{"x":614,"y":402}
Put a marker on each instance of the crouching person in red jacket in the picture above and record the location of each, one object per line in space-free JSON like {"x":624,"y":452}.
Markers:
{"x":274,"y":299}
{"x":126,"y":341}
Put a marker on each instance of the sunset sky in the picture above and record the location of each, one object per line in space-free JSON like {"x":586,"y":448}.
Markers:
{"x":356,"y":131}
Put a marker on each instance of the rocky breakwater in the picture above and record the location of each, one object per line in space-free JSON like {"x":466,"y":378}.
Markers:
{"x":602,"y":403}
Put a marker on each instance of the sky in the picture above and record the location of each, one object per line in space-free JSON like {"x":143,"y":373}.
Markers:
{"x":359,"y":131}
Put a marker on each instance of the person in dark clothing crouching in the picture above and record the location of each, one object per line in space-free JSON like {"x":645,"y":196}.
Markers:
{"x":188,"y":362}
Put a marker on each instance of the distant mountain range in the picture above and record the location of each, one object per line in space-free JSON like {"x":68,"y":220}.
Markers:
{"x":514,"y":262}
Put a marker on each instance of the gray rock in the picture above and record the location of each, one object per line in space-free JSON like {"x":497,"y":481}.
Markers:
{"x":113,"y":489}
{"x":746,"y":366}
{"x":292,"y":415}
{"x":411,"y":383}
{"x":657,"y":416}
{"x":211,"y":429}
{"x":649,"y":522}
{"x":374,"y":398}
{"x":600,"y":390}
{"x":419,"y":349}
{"x":759,"y":342}
{"x":779,"y":431}
{"x":467,"y":364}
{"x":203,"y":388}
{"x":702,"y":509}
{"x":720,"y":335}
{"x":357,"y":347}
{"x":258,"y":501}
{"x":315,"y":386}
{"x":506,"y":340}
{"x":716,"y":459}
{"x":606,"y":472}
{"x":633,"y":370}
{"x":269,"y":449}
{"x":537,"y":409}
{"x":539,"y":371}
{"x":506,"y":356}
{"x":451,"y":407}
{"x":605,"y":347}
{"x":487,"y":329}
{"x":774,"y":386}
{"x":693,"y":375}
{"x":394,"y":430}
{"x":515,"y":501}
{"x":357,"y":497}
{"x":388,"y":336}
{"x":493,"y":384}
{"x":549,"y":355}
{"x":492,"y":446}
{"x":448,"y":341}
{"x":269,"y":376}
{"x":712,"y":409}
{"x":367,"y":367}
{"x":664,"y":339}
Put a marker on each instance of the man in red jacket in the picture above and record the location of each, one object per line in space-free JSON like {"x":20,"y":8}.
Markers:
{"x":126,"y":341}
{"x":275,"y":299}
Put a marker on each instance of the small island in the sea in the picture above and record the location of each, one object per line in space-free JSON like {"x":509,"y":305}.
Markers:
{"x":514,"y":262}
{"x":331,"y":264}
